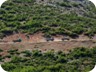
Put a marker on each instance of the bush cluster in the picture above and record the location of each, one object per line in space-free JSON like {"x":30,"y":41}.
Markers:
{"x":28,"y":17}
{"x":76,"y":60}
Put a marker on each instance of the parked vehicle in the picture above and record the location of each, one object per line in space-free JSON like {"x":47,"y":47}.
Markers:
{"x":50,"y":39}
{"x":65,"y":39}
{"x":18,"y":40}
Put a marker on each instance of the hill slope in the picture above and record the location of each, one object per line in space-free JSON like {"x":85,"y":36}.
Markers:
{"x":52,"y":17}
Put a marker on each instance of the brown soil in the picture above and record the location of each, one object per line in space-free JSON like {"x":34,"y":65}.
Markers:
{"x":38,"y":37}
{"x":44,"y":46}
{"x":38,"y":42}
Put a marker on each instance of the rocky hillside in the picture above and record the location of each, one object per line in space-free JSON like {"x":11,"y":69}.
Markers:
{"x":81,"y":7}
{"x":51,"y":17}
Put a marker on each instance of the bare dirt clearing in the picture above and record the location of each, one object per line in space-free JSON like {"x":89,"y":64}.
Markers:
{"x":39,"y":37}
{"x":44,"y":46}
{"x":38,"y":42}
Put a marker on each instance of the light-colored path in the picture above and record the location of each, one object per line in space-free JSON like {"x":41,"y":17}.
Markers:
{"x":55,"y":40}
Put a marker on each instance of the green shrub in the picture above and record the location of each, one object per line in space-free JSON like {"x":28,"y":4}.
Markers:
{"x":53,"y":61}
{"x":27,"y":53}
{"x":8,"y":66}
{"x":1,"y":50}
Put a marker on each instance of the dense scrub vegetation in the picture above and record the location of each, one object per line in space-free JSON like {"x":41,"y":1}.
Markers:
{"x":27,"y":16}
{"x":77,"y":60}
{"x":63,"y":18}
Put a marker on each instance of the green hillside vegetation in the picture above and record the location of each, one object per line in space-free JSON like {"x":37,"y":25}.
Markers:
{"x":77,"y":60}
{"x":27,"y":16}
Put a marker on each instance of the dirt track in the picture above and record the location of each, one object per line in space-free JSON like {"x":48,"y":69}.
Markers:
{"x":60,"y":45}
{"x":45,"y":46}
{"x":39,"y":42}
